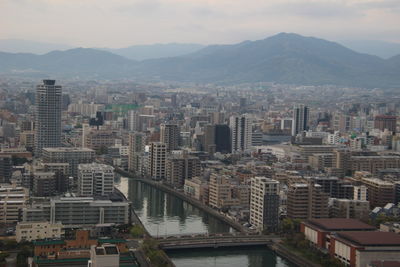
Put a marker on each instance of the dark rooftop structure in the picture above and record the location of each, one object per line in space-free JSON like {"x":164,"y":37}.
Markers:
{"x":370,"y":238}
{"x":339,"y":224}
{"x":385,"y":263}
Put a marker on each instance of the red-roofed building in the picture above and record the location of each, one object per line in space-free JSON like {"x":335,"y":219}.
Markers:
{"x":361,"y":248}
{"x":318,"y":231}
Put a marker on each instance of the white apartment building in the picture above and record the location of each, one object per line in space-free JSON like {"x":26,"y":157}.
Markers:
{"x":241,"y":132}
{"x":29,"y":231}
{"x":95,"y":179}
{"x":264,"y":203}
{"x":12,"y":200}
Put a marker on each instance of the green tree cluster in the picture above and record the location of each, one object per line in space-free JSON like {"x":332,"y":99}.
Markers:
{"x":156,"y":256}
{"x":137,"y":231}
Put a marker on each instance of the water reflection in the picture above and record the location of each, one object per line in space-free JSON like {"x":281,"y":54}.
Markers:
{"x":164,"y":214}
{"x":251,"y":257}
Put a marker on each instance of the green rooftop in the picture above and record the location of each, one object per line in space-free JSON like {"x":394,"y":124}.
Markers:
{"x":111,"y":241}
{"x":48,"y":242}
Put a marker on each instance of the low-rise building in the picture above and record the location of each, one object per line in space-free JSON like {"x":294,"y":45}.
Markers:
{"x":71,"y":210}
{"x":38,"y":230}
{"x":12,"y":200}
{"x":348,"y":208}
{"x":318,"y":231}
{"x":359,"y":248}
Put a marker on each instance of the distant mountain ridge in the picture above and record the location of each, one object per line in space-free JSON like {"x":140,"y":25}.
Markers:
{"x":282,"y":58}
{"x":154,"y":51}
{"x":26,"y":46}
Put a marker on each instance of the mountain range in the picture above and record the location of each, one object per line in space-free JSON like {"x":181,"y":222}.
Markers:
{"x":282,"y":58}
{"x":143,"y":52}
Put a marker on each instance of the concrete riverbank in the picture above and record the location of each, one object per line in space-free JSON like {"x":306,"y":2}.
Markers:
{"x":235,"y":225}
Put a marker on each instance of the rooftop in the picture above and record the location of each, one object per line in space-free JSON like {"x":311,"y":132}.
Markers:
{"x":339,"y":224}
{"x":67,"y":149}
{"x":362,"y":238}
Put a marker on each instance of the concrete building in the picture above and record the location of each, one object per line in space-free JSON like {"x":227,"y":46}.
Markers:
{"x":137,"y":143}
{"x":78,"y":211}
{"x":180,"y":167}
{"x":157,"y":161}
{"x":222,"y":138}
{"x":133,"y":120}
{"x":319,"y":231}
{"x":360,"y":193}
{"x":241,"y":132}
{"x":71,"y":155}
{"x":85,"y":109}
{"x":12,"y":200}
{"x":95,"y":179}
{"x":380,"y":192}
{"x":169,"y":135}
{"x":27,"y":140}
{"x":348,"y":208}
{"x":220,"y":192}
{"x":373,"y":164}
{"x":383,"y":122}
{"x":98,"y":139}
{"x":44,"y":184}
{"x":106,"y":255}
{"x":197,"y":188}
{"x":38,"y":230}
{"x":48,"y":116}
{"x":264,"y":203}
{"x":359,"y":248}
{"x":306,"y":201}
{"x":301,"y":116}
{"x":209,"y":139}
{"x":5,"y":168}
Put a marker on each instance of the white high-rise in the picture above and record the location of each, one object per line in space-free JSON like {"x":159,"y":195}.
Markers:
{"x":48,"y":116}
{"x":133,"y":120}
{"x":241,"y":132}
{"x":300,"y":119}
{"x":264,"y":203}
{"x":95,"y":179}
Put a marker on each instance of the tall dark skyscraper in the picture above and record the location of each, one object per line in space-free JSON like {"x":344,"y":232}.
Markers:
{"x":222,"y":138}
{"x":300,"y":119}
{"x":48,"y":116}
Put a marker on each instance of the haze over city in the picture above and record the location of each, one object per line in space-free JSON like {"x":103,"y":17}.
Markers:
{"x":195,"y":133}
{"x":121,"y":23}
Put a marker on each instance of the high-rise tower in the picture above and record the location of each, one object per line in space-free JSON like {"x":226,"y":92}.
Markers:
{"x":300,"y":119}
{"x":169,"y":135}
{"x":241,"y":132}
{"x":48,"y":116}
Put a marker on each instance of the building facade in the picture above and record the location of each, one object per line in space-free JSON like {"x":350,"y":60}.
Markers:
{"x":264,"y":204}
{"x":95,"y":179}
{"x":48,"y":116}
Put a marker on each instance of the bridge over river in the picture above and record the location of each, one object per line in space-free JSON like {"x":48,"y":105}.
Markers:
{"x":215,"y":241}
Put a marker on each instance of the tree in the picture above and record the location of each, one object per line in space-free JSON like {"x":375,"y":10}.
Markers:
{"x":137,"y":231}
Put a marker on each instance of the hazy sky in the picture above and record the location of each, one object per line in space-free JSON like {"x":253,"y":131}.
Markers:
{"x":119,"y":23}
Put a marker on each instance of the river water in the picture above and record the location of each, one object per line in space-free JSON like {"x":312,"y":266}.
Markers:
{"x":164,"y":214}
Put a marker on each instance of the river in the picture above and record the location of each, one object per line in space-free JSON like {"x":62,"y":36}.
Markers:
{"x":165,"y":214}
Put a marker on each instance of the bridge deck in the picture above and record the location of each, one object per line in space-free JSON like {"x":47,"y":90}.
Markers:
{"x":216,"y":241}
